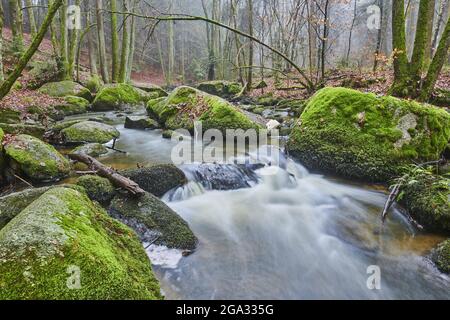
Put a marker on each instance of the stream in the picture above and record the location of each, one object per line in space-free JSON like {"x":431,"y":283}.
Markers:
{"x":288,"y":234}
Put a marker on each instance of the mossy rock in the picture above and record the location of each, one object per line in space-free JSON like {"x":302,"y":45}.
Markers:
{"x":12,"y":204}
{"x":65,"y":88}
{"x":167,"y":134}
{"x":153,"y":220}
{"x":220,"y":88}
{"x":362,"y":136}
{"x":296,"y":106}
{"x":9,"y":115}
{"x":441,"y":97}
{"x":186,"y":105}
{"x":91,"y":149}
{"x":41,"y":112}
{"x":267,"y":100}
{"x":427,"y":199}
{"x":116,"y":96}
{"x":89,"y":131}
{"x":34,"y":130}
{"x":140,"y":122}
{"x":154,"y":90}
{"x":94,"y":83}
{"x":2,"y":157}
{"x":37,"y":159}
{"x":73,"y":105}
{"x":157,"y":179}
{"x":61,"y":233}
{"x":441,"y":256}
{"x":97,"y":188}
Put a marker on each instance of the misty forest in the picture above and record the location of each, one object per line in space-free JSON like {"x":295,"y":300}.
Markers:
{"x":224,"y":149}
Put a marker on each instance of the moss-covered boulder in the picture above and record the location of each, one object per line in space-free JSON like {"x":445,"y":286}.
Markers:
{"x":12,"y":204}
{"x":91,"y":149}
{"x":186,"y":105}
{"x":441,"y":256}
{"x":65,"y":88}
{"x":427,"y":199}
{"x":63,"y":235}
{"x":140,"y":122}
{"x":362,"y":136}
{"x":35,"y":130}
{"x":2,"y":157}
{"x":154,"y":90}
{"x":117,"y":96}
{"x":9,"y":115}
{"x":36,"y":159}
{"x":153,"y":220}
{"x":89,"y":131}
{"x":157,"y":179}
{"x":97,"y":188}
{"x":73,"y":105}
{"x":220,"y":88}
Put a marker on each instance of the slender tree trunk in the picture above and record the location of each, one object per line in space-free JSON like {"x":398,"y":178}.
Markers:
{"x":349,"y":48}
{"x":63,"y":43}
{"x":2,"y":77}
{"x":9,"y":82}
{"x":399,"y":49}
{"x":324,"y":39}
{"x":250,"y":49}
{"x":101,"y":42}
{"x":31,"y":19}
{"x":114,"y":42}
{"x":436,"y":64}
{"x":125,"y":44}
{"x":132,"y":44}
{"x":442,"y":10}
{"x":16,"y":27}
{"x":91,"y":48}
{"x":379,"y":37}
{"x":74,"y":35}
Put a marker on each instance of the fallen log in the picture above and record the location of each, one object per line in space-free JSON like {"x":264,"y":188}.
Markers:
{"x":109,"y":173}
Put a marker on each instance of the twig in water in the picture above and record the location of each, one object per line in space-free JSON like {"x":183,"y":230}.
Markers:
{"x":23,"y":180}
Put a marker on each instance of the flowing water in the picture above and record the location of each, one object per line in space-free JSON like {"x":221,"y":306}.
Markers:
{"x":287,"y":234}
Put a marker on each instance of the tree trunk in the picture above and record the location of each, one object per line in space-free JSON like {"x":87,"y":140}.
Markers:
{"x":379,"y":37}
{"x":2,"y":77}
{"x":74,"y":35}
{"x":91,"y":48}
{"x":114,"y":42}
{"x":31,"y":19}
{"x":250,"y":49}
{"x":8,"y":83}
{"x":16,"y":27}
{"x":101,"y":42}
{"x":63,"y":46}
{"x":132,"y":44}
{"x":436,"y":64}
{"x":125,"y":44}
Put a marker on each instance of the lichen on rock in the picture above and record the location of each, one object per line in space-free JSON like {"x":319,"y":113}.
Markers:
{"x":89,"y":131}
{"x":65,"y":88}
{"x":116,"y":96}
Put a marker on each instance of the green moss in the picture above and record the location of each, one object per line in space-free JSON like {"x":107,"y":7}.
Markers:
{"x":65,"y":88}
{"x":73,"y":105}
{"x":62,"y":229}
{"x":426,"y":197}
{"x":97,"y":188}
{"x":9,"y":115}
{"x":441,"y":256}
{"x":2,"y":156}
{"x":94,"y":83}
{"x":140,"y":122}
{"x":91,"y":149}
{"x":89,"y":131}
{"x":363,"y":136}
{"x":114,"y":96}
{"x":165,"y":225}
{"x":37,"y":159}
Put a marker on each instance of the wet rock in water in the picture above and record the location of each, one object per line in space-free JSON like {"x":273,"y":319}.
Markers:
{"x":34,"y":130}
{"x":441,"y":256}
{"x":91,"y":149}
{"x":12,"y":204}
{"x":427,"y":199}
{"x":153,"y":220}
{"x":186,"y":105}
{"x":65,"y":88}
{"x":224,"y":89}
{"x":362,"y":136}
{"x":222,"y":176}
{"x":97,"y":188}
{"x":157,"y":179}
{"x":267,"y":100}
{"x":118,"y":96}
{"x":73,"y":105}
{"x":167,"y":134}
{"x":38,"y":160}
{"x":295,"y":106}
{"x":140,"y":122}
{"x":89,"y":131}
{"x":63,"y":231}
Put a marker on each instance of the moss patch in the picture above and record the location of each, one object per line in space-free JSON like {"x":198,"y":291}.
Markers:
{"x":73,"y":105}
{"x":362,"y":136}
{"x":441,"y":256}
{"x":37,"y":159}
{"x":65,"y":88}
{"x":91,"y":149}
{"x":221,"y":88}
{"x":62,"y":231}
{"x":97,"y":188}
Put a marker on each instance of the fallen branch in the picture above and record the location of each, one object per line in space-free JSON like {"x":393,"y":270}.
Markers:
{"x":108,"y":173}
{"x":392,"y":196}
